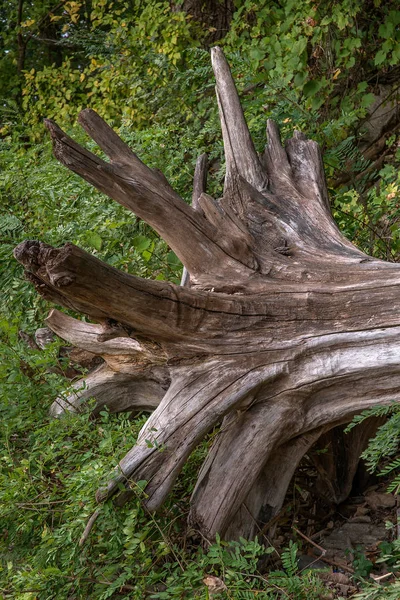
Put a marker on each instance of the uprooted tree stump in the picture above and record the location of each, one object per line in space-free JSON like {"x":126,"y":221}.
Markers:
{"x":285,"y":330}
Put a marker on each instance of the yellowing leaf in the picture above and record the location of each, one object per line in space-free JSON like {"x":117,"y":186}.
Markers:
{"x":336,"y":74}
{"x":28,"y":23}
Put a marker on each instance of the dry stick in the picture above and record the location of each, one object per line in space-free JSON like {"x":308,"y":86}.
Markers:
{"x":320,"y":533}
{"x":379,"y":578}
{"x":338,"y":564}
{"x":266,"y":581}
{"x":322,"y":550}
{"x":45,"y":502}
{"x":323,"y":557}
{"x":88,"y":527}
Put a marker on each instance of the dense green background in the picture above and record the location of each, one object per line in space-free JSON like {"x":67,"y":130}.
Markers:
{"x":314,"y":66}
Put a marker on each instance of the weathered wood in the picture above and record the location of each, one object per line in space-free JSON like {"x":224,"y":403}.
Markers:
{"x":199,"y":187}
{"x":148,"y":194}
{"x":267,"y":494}
{"x":286,"y":330}
{"x":240,"y":154}
{"x":118,"y":391}
{"x":337,"y":456}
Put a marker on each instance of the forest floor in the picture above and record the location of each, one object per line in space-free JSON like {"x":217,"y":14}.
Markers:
{"x":348,"y":542}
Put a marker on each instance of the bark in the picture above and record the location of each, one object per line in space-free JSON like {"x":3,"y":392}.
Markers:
{"x":285,"y":330}
{"x":214,"y":15}
{"x":337,"y":458}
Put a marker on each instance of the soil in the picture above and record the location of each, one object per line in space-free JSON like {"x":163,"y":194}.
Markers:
{"x":347,"y":541}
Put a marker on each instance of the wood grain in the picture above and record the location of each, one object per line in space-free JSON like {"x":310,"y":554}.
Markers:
{"x":286,"y":331}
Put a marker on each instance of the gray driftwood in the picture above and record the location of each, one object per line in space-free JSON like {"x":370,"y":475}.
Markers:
{"x":286,"y":330}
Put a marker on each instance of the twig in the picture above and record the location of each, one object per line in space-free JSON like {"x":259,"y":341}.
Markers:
{"x":88,"y":527}
{"x":276,"y":518}
{"x":320,"y":533}
{"x":378,"y":578}
{"x":262,"y":531}
{"x":265,"y":580}
{"x":44,"y":503}
{"x":320,"y":548}
{"x":334,"y":563}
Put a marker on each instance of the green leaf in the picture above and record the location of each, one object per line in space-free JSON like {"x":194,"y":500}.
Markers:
{"x":367,"y":100}
{"x":380,"y":57}
{"x":312,"y":87}
{"x":94,"y":240}
{"x":172,"y":259}
{"x":300,"y":79}
{"x":141,"y":243}
{"x":386,"y":30}
{"x":257,"y":54}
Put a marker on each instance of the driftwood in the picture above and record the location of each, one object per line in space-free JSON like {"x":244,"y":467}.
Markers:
{"x":284,"y":331}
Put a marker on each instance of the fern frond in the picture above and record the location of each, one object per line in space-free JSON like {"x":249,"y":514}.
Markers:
{"x":375,"y":411}
{"x":385,"y":443}
{"x":289,"y":559}
{"x":395,"y":464}
{"x":10,"y":227}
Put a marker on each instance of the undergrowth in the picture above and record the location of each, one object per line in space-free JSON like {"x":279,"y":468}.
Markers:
{"x":309,"y":66}
{"x":50,"y":470}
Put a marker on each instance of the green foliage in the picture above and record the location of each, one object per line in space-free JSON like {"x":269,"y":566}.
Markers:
{"x":145,"y":69}
{"x":370,"y":218}
{"x":390,"y":556}
{"x":390,"y":591}
{"x":361,"y":564}
{"x":49,"y":472}
{"x":385,"y":444}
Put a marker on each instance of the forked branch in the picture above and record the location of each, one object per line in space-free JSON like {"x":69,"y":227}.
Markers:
{"x":148,"y":194}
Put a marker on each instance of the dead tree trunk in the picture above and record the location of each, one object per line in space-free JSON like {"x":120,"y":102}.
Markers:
{"x":286,"y":330}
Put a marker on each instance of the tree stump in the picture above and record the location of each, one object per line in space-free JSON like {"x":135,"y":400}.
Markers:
{"x":285,"y":330}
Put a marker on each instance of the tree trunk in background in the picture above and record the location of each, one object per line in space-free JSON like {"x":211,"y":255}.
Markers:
{"x":286,"y":330}
{"x":214,"y":15}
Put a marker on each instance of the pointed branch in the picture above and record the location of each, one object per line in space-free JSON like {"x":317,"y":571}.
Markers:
{"x":275,"y":157}
{"x":298,"y":168}
{"x":199,"y":179}
{"x":106,"y":339}
{"x":199,"y":186}
{"x":148,"y":194}
{"x":308,"y":169}
{"x":300,"y":194}
{"x":117,"y":391}
{"x":111,"y":144}
{"x":241,"y":156}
